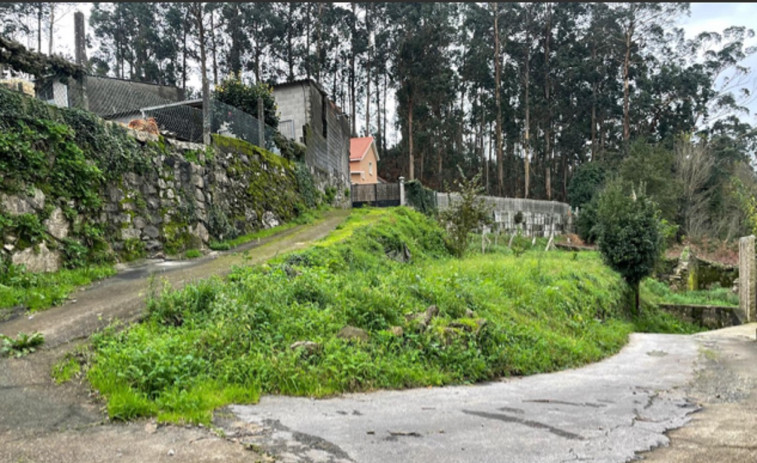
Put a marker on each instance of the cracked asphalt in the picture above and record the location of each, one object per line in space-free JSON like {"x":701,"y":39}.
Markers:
{"x":611,"y":411}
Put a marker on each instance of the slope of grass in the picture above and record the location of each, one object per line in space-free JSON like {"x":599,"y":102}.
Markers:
{"x":660,"y":293}
{"x":499,"y":313}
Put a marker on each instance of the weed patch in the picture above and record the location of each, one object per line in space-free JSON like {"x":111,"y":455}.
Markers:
{"x":37,"y":291}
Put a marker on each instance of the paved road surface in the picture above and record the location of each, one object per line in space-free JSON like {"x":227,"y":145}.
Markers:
{"x":604,"y":412}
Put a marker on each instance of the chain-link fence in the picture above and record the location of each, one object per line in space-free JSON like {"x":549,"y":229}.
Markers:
{"x":134,"y":103}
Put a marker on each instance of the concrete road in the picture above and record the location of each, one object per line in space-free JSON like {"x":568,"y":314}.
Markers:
{"x":604,"y":412}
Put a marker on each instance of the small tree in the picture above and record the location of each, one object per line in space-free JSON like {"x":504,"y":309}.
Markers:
{"x":629,"y":236}
{"x":463,"y":217}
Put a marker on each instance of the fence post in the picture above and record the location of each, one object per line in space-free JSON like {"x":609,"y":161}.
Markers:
{"x":261,"y":124}
{"x":402,"y":191}
{"x":747,"y":279}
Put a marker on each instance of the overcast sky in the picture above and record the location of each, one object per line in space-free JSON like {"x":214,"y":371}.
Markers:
{"x":704,"y":17}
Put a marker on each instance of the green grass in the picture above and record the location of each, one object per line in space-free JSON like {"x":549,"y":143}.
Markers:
{"x":38,"y":291}
{"x":192,"y":253}
{"x":659,"y":293}
{"x":65,"y":370}
{"x":304,"y":218}
{"x":228,"y":340}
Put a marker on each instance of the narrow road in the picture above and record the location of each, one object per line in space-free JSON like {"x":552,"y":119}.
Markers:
{"x":44,"y":422}
{"x":605,"y":412}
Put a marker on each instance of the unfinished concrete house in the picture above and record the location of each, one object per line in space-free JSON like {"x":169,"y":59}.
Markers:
{"x":307,"y":116}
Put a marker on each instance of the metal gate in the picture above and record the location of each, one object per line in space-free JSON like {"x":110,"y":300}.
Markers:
{"x":377,"y":195}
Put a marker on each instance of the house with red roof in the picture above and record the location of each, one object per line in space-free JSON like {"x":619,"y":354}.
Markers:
{"x":363,"y":161}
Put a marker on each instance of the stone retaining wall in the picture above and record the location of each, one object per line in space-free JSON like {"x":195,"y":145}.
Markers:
{"x":177,"y":204}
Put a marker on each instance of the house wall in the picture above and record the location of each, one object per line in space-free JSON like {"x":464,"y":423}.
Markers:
{"x":327,"y":156}
{"x":364,"y":171}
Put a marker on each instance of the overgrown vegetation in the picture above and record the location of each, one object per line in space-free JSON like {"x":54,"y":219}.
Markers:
{"x":36,"y":291}
{"x":654,"y":291}
{"x":426,"y":319}
{"x":465,"y":215}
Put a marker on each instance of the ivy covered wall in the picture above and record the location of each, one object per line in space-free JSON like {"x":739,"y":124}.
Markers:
{"x":75,"y":189}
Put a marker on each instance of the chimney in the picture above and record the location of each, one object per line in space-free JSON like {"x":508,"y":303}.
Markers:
{"x":81,"y":43}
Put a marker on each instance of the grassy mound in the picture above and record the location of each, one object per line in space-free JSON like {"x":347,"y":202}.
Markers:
{"x":426,"y":319}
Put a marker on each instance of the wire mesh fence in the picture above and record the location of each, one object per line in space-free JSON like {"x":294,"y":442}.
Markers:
{"x":138,"y":104}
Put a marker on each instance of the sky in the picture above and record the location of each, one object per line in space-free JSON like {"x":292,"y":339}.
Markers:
{"x":703,"y":17}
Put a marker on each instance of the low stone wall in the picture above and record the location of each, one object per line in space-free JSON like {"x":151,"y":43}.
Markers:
{"x":708,"y":316}
{"x":532,"y":217}
{"x":187,"y":196}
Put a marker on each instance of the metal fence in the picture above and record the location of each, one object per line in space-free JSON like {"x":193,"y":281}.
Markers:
{"x":377,"y":194}
{"x":130,"y":102}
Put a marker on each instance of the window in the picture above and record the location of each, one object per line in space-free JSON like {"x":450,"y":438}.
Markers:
{"x":286,"y":128}
{"x":370,"y":168}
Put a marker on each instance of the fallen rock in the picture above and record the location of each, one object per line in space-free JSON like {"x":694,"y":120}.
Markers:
{"x":397,"y":331}
{"x":269,"y":219}
{"x":352,"y":333}
{"x":309,"y":347}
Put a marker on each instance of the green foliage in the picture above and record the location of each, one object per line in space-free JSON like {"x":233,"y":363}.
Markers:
{"x":233,"y":92}
{"x":653,"y":165}
{"x":37,"y":291}
{"x":192,"y":253}
{"x":329,"y":194}
{"x":586,"y":182}
{"x":66,"y":369}
{"x":305,"y":185}
{"x":659,"y":293}
{"x":421,"y":198}
{"x":463,"y":217}
{"x":289,"y":149}
{"x":628,"y":233}
{"x":586,"y":223}
{"x":133,"y":249}
{"x":23,"y":344}
{"x":200,"y":347}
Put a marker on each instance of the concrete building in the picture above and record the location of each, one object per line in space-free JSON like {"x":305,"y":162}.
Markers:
{"x":364,"y":161}
{"x":307,"y":116}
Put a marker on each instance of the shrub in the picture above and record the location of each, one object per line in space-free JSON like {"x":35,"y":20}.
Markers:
{"x":628,"y":233}
{"x":463,"y":217}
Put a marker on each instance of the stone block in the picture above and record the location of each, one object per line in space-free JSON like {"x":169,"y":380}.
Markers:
{"x":40,"y":260}
{"x":56,"y":224}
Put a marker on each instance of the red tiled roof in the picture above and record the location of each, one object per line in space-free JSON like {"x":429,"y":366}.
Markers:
{"x":359,"y":147}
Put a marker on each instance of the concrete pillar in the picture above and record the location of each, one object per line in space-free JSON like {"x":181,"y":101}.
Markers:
{"x":80,"y":52}
{"x":747,"y":280}
{"x":402,"y":191}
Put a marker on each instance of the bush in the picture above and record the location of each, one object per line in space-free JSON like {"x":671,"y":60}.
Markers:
{"x":463,"y":217}
{"x":629,"y":235}
{"x":586,"y":182}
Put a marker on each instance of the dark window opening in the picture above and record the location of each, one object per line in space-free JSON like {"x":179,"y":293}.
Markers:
{"x":324,"y":124}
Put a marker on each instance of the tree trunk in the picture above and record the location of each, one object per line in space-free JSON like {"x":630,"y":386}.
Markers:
{"x":308,"y":61}
{"x":213,"y":44}
{"x":411,"y":160}
{"x":594,"y":105}
{"x":318,"y":46}
{"x":39,"y":27}
{"x":548,"y":125}
{"x":52,"y":28}
{"x":626,"y":86}
{"x":527,"y":102}
{"x":184,"y":57}
{"x":498,"y":101}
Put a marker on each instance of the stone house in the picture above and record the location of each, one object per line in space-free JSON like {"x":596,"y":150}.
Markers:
{"x":364,"y":161}
{"x":309,"y":117}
